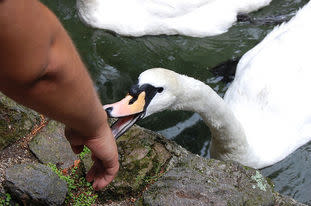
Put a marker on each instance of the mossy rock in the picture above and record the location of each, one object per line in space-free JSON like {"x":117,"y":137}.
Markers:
{"x":199,"y":181}
{"x":188,"y":179}
{"x":16,"y":121}
{"x":142,"y":158}
{"x":282,"y":200}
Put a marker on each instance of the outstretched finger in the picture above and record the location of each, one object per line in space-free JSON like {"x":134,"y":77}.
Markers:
{"x":91,"y":173}
{"x":106,"y":176}
{"x":103,"y":181}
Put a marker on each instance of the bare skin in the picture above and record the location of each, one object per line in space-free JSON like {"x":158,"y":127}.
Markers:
{"x":40,"y":68}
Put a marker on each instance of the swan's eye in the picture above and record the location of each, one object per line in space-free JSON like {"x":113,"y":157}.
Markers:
{"x":134,"y":90}
{"x":160,"y":89}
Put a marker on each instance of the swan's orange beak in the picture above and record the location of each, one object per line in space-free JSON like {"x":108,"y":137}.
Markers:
{"x":132,"y":108}
{"x":126,"y":107}
{"x":128,"y":111}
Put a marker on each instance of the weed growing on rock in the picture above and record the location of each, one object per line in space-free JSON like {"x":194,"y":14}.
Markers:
{"x":80,"y":192}
{"x":84,"y":152}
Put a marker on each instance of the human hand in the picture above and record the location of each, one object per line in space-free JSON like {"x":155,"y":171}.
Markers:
{"x":104,"y":154}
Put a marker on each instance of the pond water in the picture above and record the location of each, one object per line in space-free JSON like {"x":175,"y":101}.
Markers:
{"x":115,"y":63}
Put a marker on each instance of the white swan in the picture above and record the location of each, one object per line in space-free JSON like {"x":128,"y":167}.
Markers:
{"x":266,"y":112}
{"x":153,"y":17}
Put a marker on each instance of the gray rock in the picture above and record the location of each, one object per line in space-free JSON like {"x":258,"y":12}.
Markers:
{"x":35,"y":184}
{"x":197,"y":181}
{"x":51,"y":146}
{"x":188,"y":180}
{"x":282,"y":200}
{"x":16,"y":121}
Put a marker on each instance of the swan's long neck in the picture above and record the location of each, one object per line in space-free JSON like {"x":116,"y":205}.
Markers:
{"x":228,"y":137}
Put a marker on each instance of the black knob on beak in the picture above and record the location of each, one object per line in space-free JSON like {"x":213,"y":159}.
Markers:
{"x":109,"y":110}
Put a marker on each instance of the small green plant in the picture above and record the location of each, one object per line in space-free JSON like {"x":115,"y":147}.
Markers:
{"x":67,"y":178}
{"x":80,"y":192}
{"x":84,"y":152}
{"x":5,"y":200}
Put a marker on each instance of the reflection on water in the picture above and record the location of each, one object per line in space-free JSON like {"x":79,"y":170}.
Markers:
{"x":177,"y":129}
{"x":115,"y":63}
{"x":292,"y":176}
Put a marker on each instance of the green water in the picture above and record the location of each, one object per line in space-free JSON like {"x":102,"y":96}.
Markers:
{"x":115,"y":63}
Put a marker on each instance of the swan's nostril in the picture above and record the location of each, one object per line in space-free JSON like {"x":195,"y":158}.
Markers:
{"x":109,"y":110}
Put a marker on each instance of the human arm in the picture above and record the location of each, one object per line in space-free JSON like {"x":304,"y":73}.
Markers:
{"x":40,"y":68}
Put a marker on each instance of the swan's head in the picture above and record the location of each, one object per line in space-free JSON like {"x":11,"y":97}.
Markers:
{"x":155,"y":91}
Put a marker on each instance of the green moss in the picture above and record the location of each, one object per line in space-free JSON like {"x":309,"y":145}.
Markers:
{"x":138,"y":169}
{"x":139,"y":202}
{"x":271,"y":183}
{"x":15,"y":121}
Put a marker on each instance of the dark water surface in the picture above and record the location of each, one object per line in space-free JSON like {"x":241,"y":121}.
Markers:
{"x":115,"y":63}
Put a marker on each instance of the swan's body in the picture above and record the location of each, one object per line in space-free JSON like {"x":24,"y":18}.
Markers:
{"x":266,"y":112}
{"x":152,"y":17}
{"x":270,"y":95}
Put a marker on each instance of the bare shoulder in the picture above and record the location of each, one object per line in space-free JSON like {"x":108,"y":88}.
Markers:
{"x":20,"y":10}
{"x":26,"y":31}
